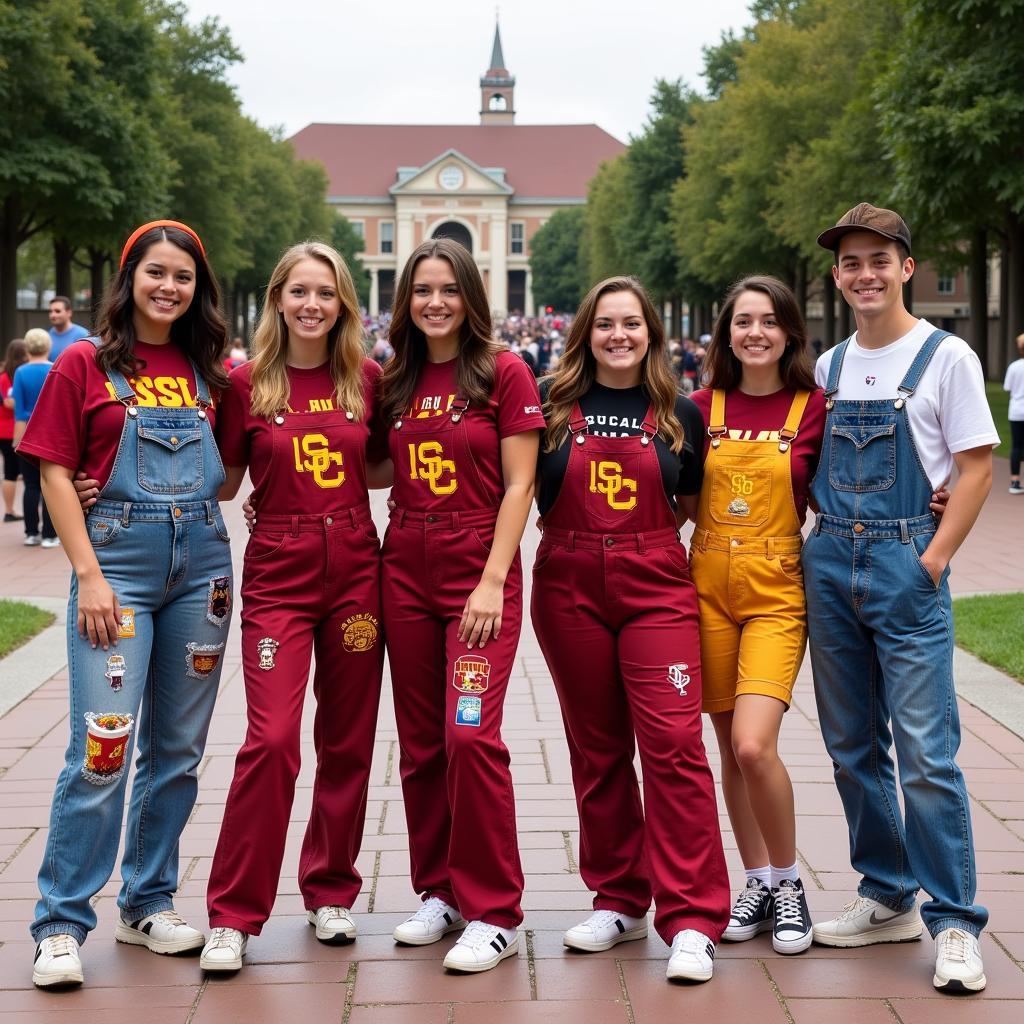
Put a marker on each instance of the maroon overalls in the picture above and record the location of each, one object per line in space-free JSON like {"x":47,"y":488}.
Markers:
{"x":311,"y":581}
{"x":616,"y":615}
{"x":455,"y":772}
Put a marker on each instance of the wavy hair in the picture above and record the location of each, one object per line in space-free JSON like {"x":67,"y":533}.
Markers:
{"x":270,"y":387}
{"x":577,"y":369}
{"x":16,"y":355}
{"x":475,"y":367}
{"x":721,"y":367}
{"x":200,"y":332}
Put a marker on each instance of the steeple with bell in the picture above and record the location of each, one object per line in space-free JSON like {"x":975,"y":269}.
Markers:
{"x":496,"y":86}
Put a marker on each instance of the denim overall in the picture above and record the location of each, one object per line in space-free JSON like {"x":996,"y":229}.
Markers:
{"x":163,"y":548}
{"x":881,"y":640}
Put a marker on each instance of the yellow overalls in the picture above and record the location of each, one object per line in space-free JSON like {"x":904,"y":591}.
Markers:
{"x":745,"y":561}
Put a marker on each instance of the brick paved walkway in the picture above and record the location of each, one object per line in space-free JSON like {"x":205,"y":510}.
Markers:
{"x":291,"y":977}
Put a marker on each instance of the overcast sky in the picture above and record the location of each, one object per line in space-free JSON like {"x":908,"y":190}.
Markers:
{"x":419,"y":61}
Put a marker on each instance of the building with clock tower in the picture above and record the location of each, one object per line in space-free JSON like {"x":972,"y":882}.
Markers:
{"x":489,"y":186}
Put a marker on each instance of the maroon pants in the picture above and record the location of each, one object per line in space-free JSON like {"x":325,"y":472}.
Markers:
{"x":617,"y":621}
{"x":455,"y":772}
{"x":309,"y":583}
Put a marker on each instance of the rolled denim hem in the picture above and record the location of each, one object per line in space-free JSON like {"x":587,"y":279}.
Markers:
{"x":132,"y":914}
{"x":887,"y":901}
{"x":44,"y":931}
{"x":934,"y":927}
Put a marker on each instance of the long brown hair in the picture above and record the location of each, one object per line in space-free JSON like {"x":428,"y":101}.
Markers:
{"x":270,"y":387}
{"x":16,"y":355}
{"x":200,"y":332}
{"x":477,"y":349}
{"x":721,"y":367}
{"x":577,"y":368}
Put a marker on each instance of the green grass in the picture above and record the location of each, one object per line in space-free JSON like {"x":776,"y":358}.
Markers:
{"x":20,"y":622}
{"x":991,"y":627}
{"x":999,"y":403}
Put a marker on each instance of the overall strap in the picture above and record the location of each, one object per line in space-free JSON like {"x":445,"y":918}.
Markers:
{"x":789,"y":431}
{"x":202,"y":388}
{"x":834,"y":369}
{"x":649,"y":426}
{"x":578,"y":425}
{"x":913,"y":376}
{"x":122,"y":389}
{"x":459,"y":407}
{"x":716,"y":426}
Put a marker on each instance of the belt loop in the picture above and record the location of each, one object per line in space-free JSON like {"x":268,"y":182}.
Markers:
{"x":817,"y":525}
{"x":904,"y":532}
{"x":455,"y":521}
{"x":295,"y":526}
{"x":572,"y":540}
{"x":209,"y":512}
{"x":641,"y":547}
{"x":771,"y":548}
{"x":353,"y":518}
{"x":126,"y":513}
{"x":400,"y":516}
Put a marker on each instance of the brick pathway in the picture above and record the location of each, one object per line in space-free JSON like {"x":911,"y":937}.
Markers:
{"x":292,"y":977}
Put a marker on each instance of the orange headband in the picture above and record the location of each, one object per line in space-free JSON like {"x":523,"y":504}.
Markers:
{"x":139,"y":232}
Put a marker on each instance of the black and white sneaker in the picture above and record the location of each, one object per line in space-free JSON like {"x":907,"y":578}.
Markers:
{"x":792,"y":932}
{"x":752,"y":913}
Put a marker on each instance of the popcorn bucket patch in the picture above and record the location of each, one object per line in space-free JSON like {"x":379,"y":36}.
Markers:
{"x":359,"y":632}
{"x":127,"y":628}
{"x":202,"y":659}
{"x":472,"y":674}
{"x":106,"y":746}
{"x":267,"y":648}
{"x":116,"y":669}
{"x":218,"y":605}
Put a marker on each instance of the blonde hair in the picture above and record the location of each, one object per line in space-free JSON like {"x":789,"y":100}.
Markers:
{"x":270,"y":388}
{"x":38,"y":342}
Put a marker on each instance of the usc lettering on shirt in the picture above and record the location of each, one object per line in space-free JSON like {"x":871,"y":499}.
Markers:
{"x":162,"y":392}
{"x":425,"y":406}
{"x":613,"y":426}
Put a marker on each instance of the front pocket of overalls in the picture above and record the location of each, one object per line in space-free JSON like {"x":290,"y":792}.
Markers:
{"x":740,"y":496}
{"x":264,"y":545}
{"x":170,"y":459}
{"x":862,"y":455}
{"x":102,"y":530}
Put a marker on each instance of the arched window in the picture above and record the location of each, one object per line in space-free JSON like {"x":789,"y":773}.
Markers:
{"x":498,"y":102}
{"x":456,"y":232}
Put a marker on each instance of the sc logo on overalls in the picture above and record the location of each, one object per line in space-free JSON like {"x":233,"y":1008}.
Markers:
{"x":606,"y":478}
{"x":318,"y":460}
{"x":427,"y":462}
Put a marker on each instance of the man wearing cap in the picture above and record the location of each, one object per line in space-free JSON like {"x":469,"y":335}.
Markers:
{"x":906,"y":402}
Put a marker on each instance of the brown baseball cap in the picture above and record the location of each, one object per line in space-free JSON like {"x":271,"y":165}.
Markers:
{"x":865,"y":217}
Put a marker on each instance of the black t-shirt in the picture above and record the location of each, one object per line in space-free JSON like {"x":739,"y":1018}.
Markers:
{"x":619,"y":412}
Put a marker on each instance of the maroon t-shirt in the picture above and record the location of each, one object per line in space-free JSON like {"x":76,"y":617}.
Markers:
{"x":761,"y":417}
{"x":77,"y":421}
{"x":247,"y":440}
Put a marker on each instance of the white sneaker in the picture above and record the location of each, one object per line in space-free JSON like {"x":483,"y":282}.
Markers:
{"x":431,"y":922}
{"x":50,"y":542}
{"x":604,"y":929}
{"x":33,"y":540}
{"x":864,"y":921}
{"x":57,"y":962}
{"x":224,"y":951}
{"x":162,"y":932}
{"x":958,"y":963}
{"x":482,"y":946}
{"x":692,"y":957}
{"x":333,"y":924}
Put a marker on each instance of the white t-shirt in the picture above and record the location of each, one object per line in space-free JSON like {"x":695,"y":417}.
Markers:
{"x":948,"y":411}
{"x":1014,"y":383}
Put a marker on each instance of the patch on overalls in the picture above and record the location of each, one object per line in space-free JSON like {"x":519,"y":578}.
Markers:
{"x":115,"y":671}
{"x":678,"y":677}
{"x":468,"y":711}
{"x":218,"y":605}
{"x":106,"y":745}
{"x":359,"y":632}
{"x":202,"y":659}
{"x":472,"y":673}
{"x":738,"y":507}
{"x":127,"y":628}
{"x":267,"y":648}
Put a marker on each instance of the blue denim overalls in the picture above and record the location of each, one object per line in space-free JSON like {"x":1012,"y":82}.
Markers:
{"x":881,"y":640}
{"x":163,"y":548}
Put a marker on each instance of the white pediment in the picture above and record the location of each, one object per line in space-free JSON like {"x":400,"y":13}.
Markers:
{"x":451,"y":174}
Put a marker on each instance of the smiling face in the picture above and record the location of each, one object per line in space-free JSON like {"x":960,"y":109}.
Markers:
{"x":309,"y":302}
{"x":619,"y":339}
{"x":163,"y":286}
{"x":755,"y":336}
{"x":436,"y":306}
{"x":870,"y":272}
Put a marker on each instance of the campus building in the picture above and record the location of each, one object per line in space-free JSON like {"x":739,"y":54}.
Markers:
{"x":490,"y":185}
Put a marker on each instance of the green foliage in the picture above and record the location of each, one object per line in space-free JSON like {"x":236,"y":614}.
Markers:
{"x":557,"y":261}
{"x":348,"y":241}
{"x":990,"y":626}
{"x":605,"y":211}
{"x":19,"y":622}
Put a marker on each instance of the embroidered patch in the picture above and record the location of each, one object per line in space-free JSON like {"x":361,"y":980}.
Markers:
{"x":359,"y":632}
{"x":267,"y":648}
{"x":738,"y":507}
{"x":115,"y":671}
{"x":202,"y":659}
{"x":678,"y":677}
{"x":218,"y":605}
{"x":472,"y":673}
{"x":106,"y":746}
{"x":468,"y":711}
{"x":127,"y":628}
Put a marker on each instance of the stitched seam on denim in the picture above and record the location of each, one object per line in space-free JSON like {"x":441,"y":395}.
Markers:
{"x":893,"y":820}
{"x":140,"y":840}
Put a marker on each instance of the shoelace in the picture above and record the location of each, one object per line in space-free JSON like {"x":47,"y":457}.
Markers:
{"x":477,"y":933}
{"x":224,"y":938}
{"x":602,"y":918}
{"x":855,"y":907}
{"x":430,"y":910}
{"x":690,"y":941}
{"x":171,"y":917}
{"x":787,"y":905}
{"x":60,"y":945}
{"x":955,"y":946}
{"x":334,"y":911}
{"x":748,"y":902}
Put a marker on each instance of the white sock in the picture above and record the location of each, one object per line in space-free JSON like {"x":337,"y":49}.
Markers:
{"x":778,"y":874}
{"x":762,"y":874}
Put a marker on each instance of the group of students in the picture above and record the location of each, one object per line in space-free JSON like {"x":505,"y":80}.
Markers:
{"x":637,"y":647}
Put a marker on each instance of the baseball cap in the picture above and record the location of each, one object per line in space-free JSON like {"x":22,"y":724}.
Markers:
{"x":865,"y":217}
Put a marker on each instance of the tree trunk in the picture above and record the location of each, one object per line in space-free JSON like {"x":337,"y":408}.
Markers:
{"x":9,"y":216}
{"x":800,"y":287}
{"x":1003,"y":334}
{"x":908,"y":295}
{"x":977,"y":289}
{"x":845,"y":320}
{"x":63,"y":254}
{"x":246,"y":334}
{"x":677,"y":318}
{"x":1014,"y":284}
{"x":829,"y":300}
{"x":97,"y":266}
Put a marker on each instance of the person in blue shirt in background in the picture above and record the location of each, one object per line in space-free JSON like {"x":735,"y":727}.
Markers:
{"x":63,"y":332}
{"x":28,"y":382}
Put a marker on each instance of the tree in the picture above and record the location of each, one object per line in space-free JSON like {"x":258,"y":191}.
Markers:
{"x":606,"y":202}
{"x":556,"y":262}
{"x":350,"y":243}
